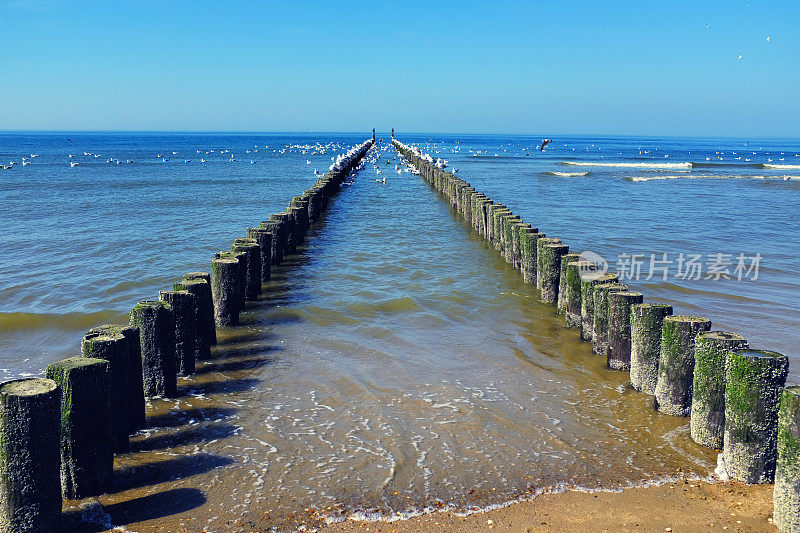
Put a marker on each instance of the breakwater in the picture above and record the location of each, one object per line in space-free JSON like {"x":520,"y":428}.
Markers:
{"x":58,"y":434}
{"x":726,"y":388}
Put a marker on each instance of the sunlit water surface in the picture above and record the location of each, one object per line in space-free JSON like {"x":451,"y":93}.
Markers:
{"x":397,"y":363}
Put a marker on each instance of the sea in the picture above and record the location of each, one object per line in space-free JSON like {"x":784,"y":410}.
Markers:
{"x":397,"y":364}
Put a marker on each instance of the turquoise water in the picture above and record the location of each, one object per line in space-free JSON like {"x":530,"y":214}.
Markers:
{"x":397,"y":363}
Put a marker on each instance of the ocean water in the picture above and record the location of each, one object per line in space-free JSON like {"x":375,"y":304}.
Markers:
{"x":397,"y":364}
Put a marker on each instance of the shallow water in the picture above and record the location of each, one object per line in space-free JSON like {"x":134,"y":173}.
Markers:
{"x":397,"y":363}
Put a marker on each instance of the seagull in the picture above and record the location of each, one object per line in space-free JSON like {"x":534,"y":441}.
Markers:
{"x":740,"y":55}
{"x":73,"y":164}
{"x":308,"y":161}
{"x":380,"y":180}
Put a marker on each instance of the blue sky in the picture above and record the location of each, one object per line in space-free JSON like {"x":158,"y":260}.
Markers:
{"x":646,"y":68}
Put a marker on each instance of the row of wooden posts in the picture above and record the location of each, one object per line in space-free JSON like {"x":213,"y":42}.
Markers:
{"x":736,"y":396}
{"x":59,"y":434}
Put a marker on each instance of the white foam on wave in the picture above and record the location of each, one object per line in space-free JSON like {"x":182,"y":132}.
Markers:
{"x":626,"y":165}
{"x":568,"y":174}
{"x":712,"y":177}
{"x":781,"y":167}
{"x":560,"y":488}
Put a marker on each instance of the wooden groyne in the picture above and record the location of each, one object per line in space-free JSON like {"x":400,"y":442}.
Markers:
{"x":735,"y":396}
{"x":58,"y":435}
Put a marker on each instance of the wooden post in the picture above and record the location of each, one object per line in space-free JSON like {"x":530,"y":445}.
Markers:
{"x":30,"y":455}
{"x":87,"y":450}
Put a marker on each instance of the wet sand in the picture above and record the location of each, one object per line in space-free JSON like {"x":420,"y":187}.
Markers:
{"x":678,"y":506}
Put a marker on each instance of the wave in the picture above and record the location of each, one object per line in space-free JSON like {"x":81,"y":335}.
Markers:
{"x":780,"y":167}
{"x":566,"y":174}
{"x":686,"y":164}
{"x":704,"y":164}
{"x":711,"y":177}
{"x":66,"y":321}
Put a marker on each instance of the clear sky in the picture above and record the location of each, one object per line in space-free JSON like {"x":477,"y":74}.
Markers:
{"x":643,"y":67}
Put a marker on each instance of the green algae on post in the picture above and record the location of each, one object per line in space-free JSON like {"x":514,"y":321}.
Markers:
{"x":588,"y":284}
{"x":673,"y":394}
{"x":263,"y":237}
{"x":708,"y":390}
{"x":276,"y":229}
{"x":600,"y":314}
{"x":120,"y":346}
{"x":646,"y":325}
{"x":156,"y":323}
{"x":183,"y":305}
{"x":618,"y":354}
{"x":87,"y":455}
{"x":540,"y":244}
{"x":572,"y":291}
{"x":204,"y":327}
{"x":30,"y":455}
{"x":786,"y":494}
{"x":224,"y":289}
{"x":253,"y":270}
{"x":516,"y":232}
{"x":551,"y":268}
{"x":240,"y":288}
{"x":753,"y":383}
{"x":566,"y":259}
{"x":527,"y":250}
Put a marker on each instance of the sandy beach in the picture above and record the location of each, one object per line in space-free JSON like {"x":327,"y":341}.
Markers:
{"x":678,"y":506}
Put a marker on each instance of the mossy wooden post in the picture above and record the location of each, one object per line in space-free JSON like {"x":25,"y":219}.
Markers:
{"x":285,"y":231}
{"x":300,"y":205}
{"x":241,"y":276}
{"x":754,"y":380}
{"x":707,"y":425}
{"x":618,"y":354}
{"x":465,"y":207}
{"x":786,"y":494}
{"x":516,"y":233}
{"x":224,"y":290}
{"x":479,"y":213}
{"x":263,"y":237}
{"x":673,"y":394}
{"x":253,"y":271}
{"x":528,"y":240}
{"x":572,"y":291}
{"x":30,"y":455}
{"x":277,"y":240}
{"x":499,"y":229}
{"x":507,"y":225}
{"x":156,"y":323}
{"x":646,"y":325}
{"x":491,"y":210}
{"x":600,"y":299}
{"x":120,"y":346}
{"x":295,"y":227}
{"x":588,"y":284}
{"x":87,"y":449}
{"x":203,"y":314}
{"x":551,"y":270}
{"x":566,"y":259}
{"x":184,"y":306}
{"x":540,"y":244}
